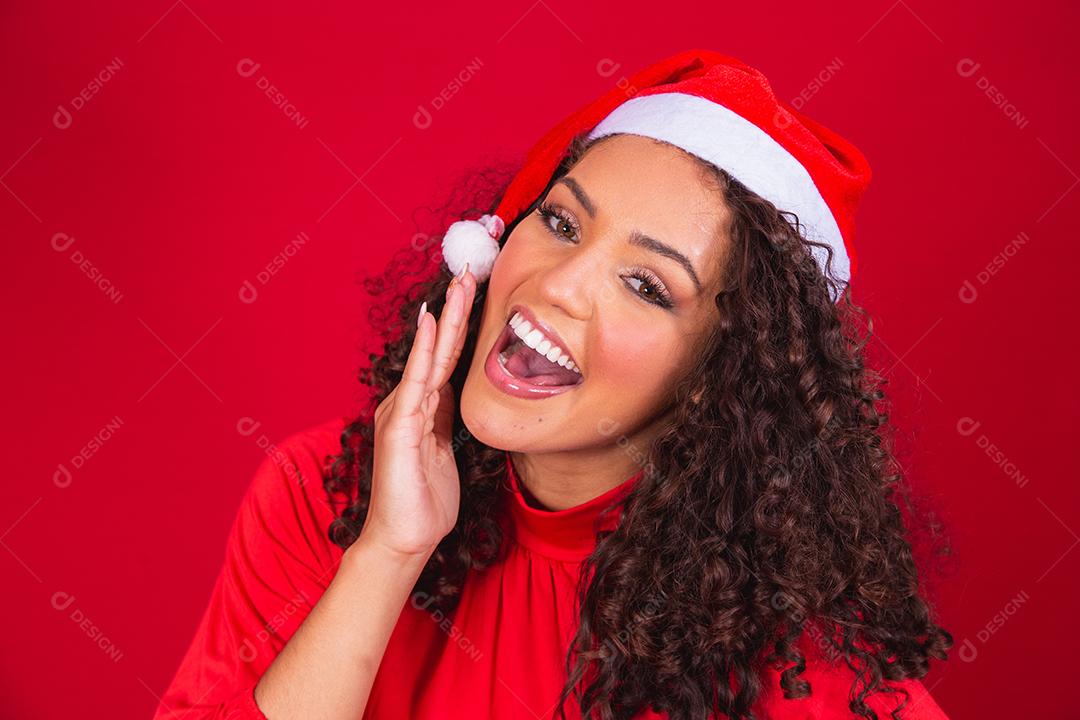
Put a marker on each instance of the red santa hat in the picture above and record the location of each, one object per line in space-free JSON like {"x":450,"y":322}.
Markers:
{"x":721,"y":110}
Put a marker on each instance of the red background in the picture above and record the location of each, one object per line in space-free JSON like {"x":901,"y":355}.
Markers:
{"x":179,"y":180}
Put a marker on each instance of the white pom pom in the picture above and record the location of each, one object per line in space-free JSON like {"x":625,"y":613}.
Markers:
{"x":474,"y":242}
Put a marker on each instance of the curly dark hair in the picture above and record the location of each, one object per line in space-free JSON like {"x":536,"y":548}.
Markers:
{"x":783,"y":519}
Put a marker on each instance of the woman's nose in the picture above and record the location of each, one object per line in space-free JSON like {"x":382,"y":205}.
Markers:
{"x":576,"y":282}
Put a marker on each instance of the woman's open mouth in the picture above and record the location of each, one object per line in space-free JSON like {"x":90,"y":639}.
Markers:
{"x":523,"y":371}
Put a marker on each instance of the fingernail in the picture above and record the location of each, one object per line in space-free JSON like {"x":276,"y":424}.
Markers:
{"x":423,"y":309}
{"x":461,"y":275}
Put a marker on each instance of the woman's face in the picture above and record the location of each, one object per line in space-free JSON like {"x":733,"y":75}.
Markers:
{"x":629,"y":312}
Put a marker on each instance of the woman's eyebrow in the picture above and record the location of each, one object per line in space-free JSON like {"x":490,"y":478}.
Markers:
{"x":636,"y":238}
{"x":579,"y":193}
{"x":642,"y":240}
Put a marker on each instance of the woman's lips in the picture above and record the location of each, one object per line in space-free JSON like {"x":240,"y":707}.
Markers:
{"x":501,"y":378}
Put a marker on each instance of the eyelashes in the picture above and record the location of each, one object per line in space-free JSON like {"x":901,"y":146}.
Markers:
{"x":661,"y":297}
{"x":548,"y":211}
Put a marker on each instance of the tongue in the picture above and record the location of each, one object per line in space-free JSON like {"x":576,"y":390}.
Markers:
{"x":524,"y":362}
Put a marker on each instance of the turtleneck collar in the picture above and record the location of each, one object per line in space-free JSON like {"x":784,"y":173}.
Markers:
{"x":569,"y":534}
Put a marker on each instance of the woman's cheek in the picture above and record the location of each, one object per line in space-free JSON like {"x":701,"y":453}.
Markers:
{"x":511,"y":263}
{"x":635,"y":359}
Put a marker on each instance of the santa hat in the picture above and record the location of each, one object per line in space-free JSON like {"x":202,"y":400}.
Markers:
{"x":721,"y":110}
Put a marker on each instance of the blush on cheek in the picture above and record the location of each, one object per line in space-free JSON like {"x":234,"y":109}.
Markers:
{"x":527,"y":250}
{"x":625,"y":356}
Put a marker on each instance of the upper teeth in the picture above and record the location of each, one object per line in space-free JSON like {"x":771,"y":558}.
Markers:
{"x":539,"y":342}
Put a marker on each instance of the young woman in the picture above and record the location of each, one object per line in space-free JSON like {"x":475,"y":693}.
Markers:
{"x":647,"y":479}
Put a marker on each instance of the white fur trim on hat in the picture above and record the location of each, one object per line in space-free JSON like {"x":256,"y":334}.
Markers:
{"x":733,"y":143}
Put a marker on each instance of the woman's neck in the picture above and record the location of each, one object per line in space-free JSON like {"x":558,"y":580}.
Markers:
{"x":557,"y":481}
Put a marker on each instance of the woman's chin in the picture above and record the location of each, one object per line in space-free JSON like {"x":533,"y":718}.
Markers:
{"x":483,"y":415}
{"x":497,"y":419}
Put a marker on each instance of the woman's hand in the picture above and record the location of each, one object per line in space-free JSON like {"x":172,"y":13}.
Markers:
{"x":415,"y":489}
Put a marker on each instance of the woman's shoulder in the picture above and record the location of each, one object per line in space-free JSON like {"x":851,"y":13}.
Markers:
{"x":278,"y":561}
{"x":312,"y":441}
{"x":286,"y":502}
{"x":295,"y":462}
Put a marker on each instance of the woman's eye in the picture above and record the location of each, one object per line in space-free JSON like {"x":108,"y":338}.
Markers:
{"x":562,"y":226}
{"x":647,"y":286}
{"x":655,"y":293}
{"x":649,"y":289}
{"x":556,"y":223}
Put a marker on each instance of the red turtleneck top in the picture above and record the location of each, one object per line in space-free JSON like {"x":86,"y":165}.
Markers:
{"x":502,"y":655}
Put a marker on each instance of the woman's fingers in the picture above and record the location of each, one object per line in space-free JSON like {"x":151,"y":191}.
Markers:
{"x":468,"y":286}
{"x":435,"y":349}
{"x":452,"y":327}
{"x":386,"y":405}
{"x":448,"y":325}
{"x":412,"y":390}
